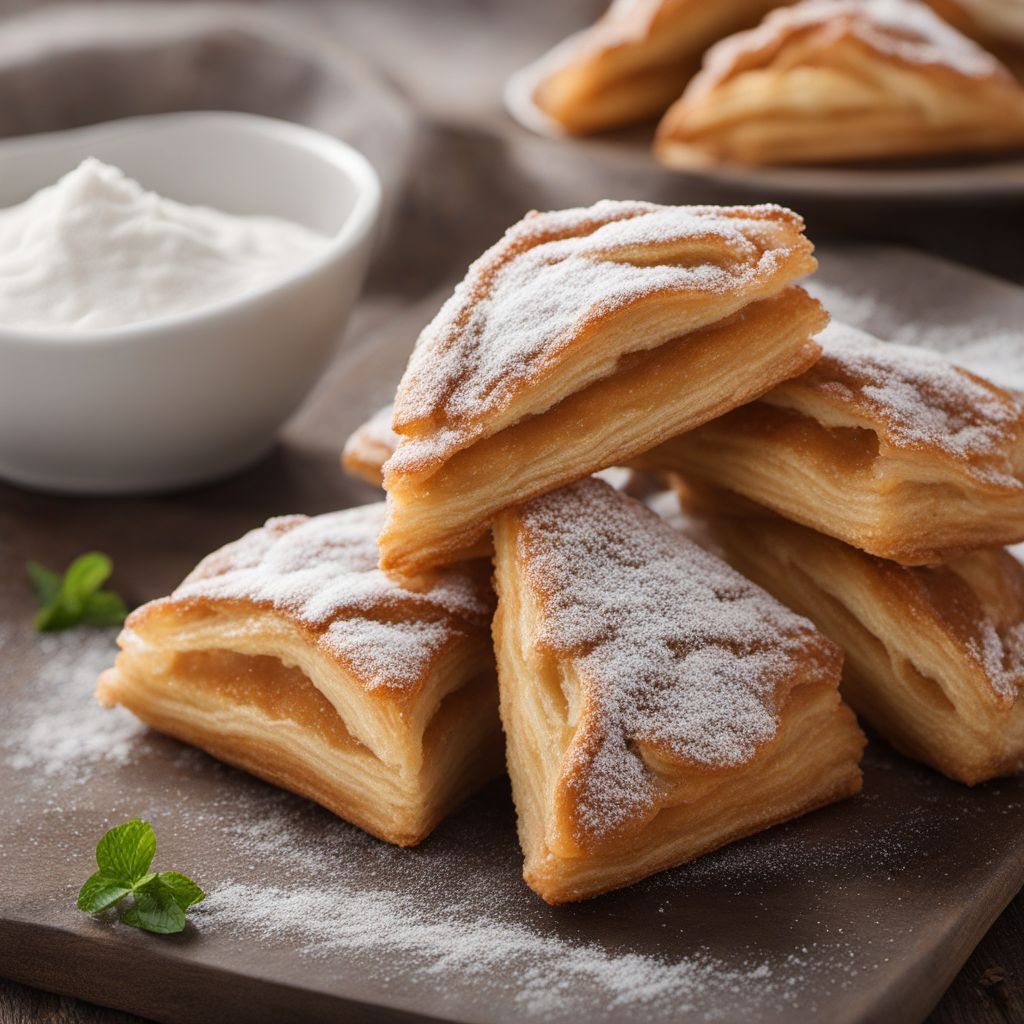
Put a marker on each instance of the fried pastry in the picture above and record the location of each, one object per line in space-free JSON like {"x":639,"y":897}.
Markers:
{"x":934,"y":655}
{"x":831,"y":81}
{"x":581,"y":339}
{"x":633,"y":62}
{"x":997,"y":25}
{"x":891,"y":449}
{"x":656,"y":705}
{"x":289,"y":654}
{"x":370,"y":446}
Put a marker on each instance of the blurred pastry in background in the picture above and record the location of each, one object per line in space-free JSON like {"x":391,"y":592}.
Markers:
{"x":998,"y":25}
{"x":832,"y":81}
{"x":656,"y":705}
{"x":634,"y":61}
{"x":582,"y":338}
{"x":371,"y":445}
{"x":934,"y":654}
{"x":289,"y":654}
{"x":892,"y":449}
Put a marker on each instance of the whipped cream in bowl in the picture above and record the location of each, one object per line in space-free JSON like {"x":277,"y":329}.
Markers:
{"x":171,"y":288}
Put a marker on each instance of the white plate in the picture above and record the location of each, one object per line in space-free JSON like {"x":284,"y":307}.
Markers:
{"x":980,"y":179}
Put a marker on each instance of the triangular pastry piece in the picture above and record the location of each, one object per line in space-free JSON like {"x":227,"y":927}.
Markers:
{"x":288,"y":653}
{"x":934,"y":655}
{"x":892,"y":449}
{"x":830,"y":81}
{"x":634,"y":61}
{"x":656,"y":704}
{"x":581,"y":339}
{"x":370,"y":446}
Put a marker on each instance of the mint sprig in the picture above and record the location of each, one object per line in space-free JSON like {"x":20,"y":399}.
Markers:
{"x":78,"y":597}
{"x":159,"y":899}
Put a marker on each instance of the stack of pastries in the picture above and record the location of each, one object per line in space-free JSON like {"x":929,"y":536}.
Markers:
{"x":763,"y":82}
{"x":654,"y":691}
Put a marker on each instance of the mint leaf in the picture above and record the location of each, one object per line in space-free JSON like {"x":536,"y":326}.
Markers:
{"x":100,"y":892}
{"x":185,"y":892}
{"x":77,"y":598}
{"x":104,"y":608}
{"x":159,"y":900}
{"x":45,"y":583}
{"x":126,"y":852}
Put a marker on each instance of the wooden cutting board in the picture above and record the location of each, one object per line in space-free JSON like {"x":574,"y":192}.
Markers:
{"x":861,"y":912}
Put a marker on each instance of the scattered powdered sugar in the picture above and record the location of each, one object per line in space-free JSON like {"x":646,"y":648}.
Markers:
{"x":525,"y":300}
{"x":923,"y":399}
{"x":322,"y":571}
{"x":905,"y":29}
{"x":69,"y":733}
{"x":675,"y":648}
{"x":374,"y":438}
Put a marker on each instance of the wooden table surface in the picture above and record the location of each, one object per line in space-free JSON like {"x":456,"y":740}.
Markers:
{"x":469,"y":191}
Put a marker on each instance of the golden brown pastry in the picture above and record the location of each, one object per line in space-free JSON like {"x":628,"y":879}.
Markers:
{"x":832,"y":81}
{"x":581,"y":339}
{"x":635,"y":60}
{"x":997,"y":25}
{"x":891,"y":449}
{"x":289,"y":654}
{"x":934,"y":655}
{"x":656,"y":705}
{"x":370,"y":446}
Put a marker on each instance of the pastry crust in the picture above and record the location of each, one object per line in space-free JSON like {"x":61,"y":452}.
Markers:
{"x":831,"y":81}
{"x":581,"y":339}
{"x":370,"y":446}
{"x":290,"y":655}
{"x":634,"y":61}
{"x":656,"y":705}
{"x":997,"y":25}
{"x":891,"y":449}
{"x":934,"y":655}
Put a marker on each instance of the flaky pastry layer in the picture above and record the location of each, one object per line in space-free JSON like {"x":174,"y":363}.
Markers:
{"x":843,"y":80}
{"x":934,"y":656}
{"x":655,"y":705}
{"x":890,"y":449}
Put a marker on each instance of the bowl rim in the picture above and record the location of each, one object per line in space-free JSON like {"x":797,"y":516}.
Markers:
{"x":346,"y":159}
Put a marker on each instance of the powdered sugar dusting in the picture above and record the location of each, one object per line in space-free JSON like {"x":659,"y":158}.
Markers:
{"x":70,"y":734}
{"x":525,"y":300}
{"x":374,"y":439}
{"x":674,"y":648}
{"x":904,"y":29}
{"x":322,"y":572}
{"x":923,"y":400}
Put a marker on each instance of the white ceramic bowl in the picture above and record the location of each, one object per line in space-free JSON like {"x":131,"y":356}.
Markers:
{"x":187,"y":398}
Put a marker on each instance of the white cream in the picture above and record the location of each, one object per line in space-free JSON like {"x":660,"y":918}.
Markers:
{"x":97,"y":250}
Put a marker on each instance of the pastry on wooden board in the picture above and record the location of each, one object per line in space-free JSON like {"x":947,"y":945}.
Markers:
{"x":289,"y":654}
{"x":834,"y":81}
{"x":656,"y":705}
{"x":581,"y":339}
{"x":934,"y":655}
{"x":634,"y":61}
{"x":892,"y":449}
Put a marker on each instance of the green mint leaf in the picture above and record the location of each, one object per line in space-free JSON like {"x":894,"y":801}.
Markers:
{"x":126,"y":852}
{"x":84,"y":576}
{"x":100,"y":892}
{"x":77,"y":598}
{"x":185,"y":892}
{"x":155,"y":909}
{"x":104,"y":608}
{"x":45,"y":583}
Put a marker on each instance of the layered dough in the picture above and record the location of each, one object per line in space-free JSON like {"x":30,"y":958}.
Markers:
{"x":934,"y":655}
{"x":830,"y":81}
{"x":891,"y":449}
{"x":635,"y":60}
{"x":656,"y":705}
{"x":290,"y":655}
{"x":583,"y":338}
